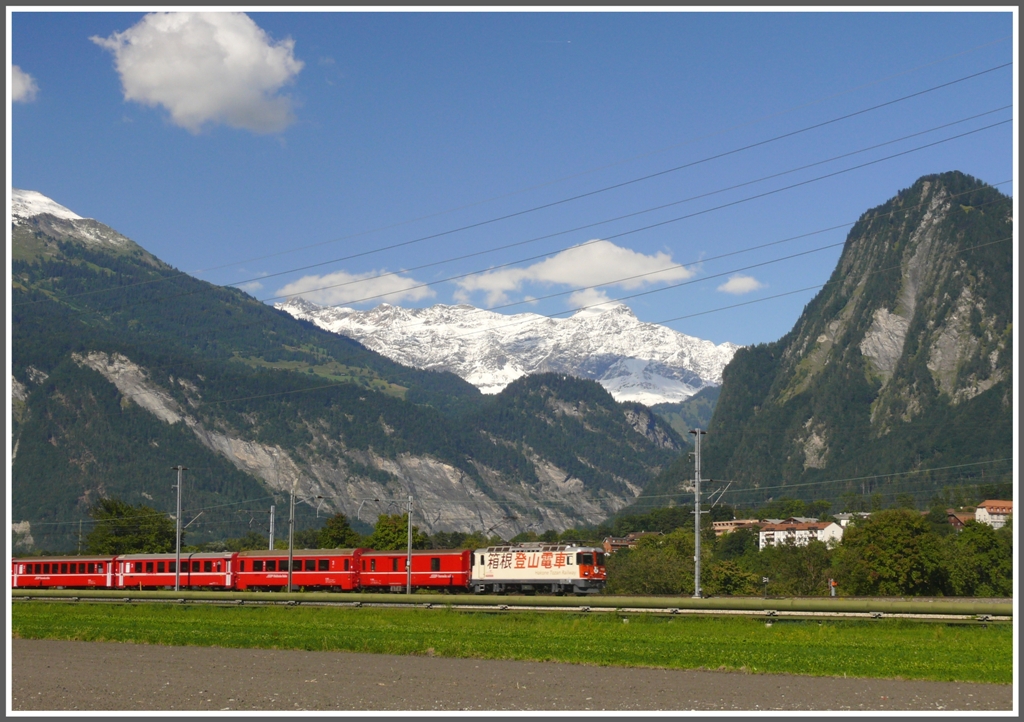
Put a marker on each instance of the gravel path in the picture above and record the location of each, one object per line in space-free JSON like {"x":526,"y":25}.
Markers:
{"x":57,"y":675}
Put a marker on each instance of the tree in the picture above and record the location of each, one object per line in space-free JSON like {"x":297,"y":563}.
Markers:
{"x":125,"y":529}
{"x":726,"y":578}
{"x":980,"y":562}
{"x":251,"y":540}
{"x":892,"y":553}
{"x":799,"y":571}
{"x":391,"y":533}
{"x":742,"y":542}
{"x":337,"y":534}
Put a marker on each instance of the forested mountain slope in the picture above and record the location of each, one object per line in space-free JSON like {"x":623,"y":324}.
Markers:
{"x":901,"y":364}
{"x":123,"y":367}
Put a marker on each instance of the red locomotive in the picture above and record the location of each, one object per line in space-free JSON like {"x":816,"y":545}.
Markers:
{"x":555,"y":568}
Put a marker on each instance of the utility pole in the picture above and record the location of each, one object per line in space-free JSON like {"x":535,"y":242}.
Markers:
{"x":291,"y":536}
{"x":696,"y":514}
{"x":408,"y":553}
{"x":277,"y":482}
{"x":177,"y":521}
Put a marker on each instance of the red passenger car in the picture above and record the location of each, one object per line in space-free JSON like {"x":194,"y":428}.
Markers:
{"x":437,"y":569}
{"x":208,"y":570}
{"x":313,"y":569}
{"x":62,"y":572}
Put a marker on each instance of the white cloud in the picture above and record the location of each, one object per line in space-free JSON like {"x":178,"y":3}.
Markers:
{"x":23,"y":86}
{"x":596,"y":263}
{"x":206,"y":67}
{"x":741,"y":284}
{"x":591,"y":298}
{"x":251,"y":286}
{"x":342,"y":287}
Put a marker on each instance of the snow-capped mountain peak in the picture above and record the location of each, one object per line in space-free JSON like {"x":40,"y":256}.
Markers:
{"x":25,"y":204}
{"x":633,"y":360}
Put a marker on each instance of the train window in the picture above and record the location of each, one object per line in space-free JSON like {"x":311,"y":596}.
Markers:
{"x":435,"y":564}
{"x":90,"y":568}
{"x":586,"y":558}
{"x":323,"y":565}
{"x":171,"y":567}
{"x":207,"y":566}
{"x":63,"y":568}
{"x":311,"y":565}
{"x":241,"y":565}
{"x":600,"y":558}
{"x":46,"y":569}
{"x":218,"y":566}
{"x":394,"y":564}
{"x":481,"y":560}
{"x":257,"y":565}
{"x":570,"y":559}
{"x":346,"y":565}
{"x":373,"y":565}
{"x":195,"y":566}
{"x":149,"y":567}
{"x":271,"y":565}
{"x":160,"y":567}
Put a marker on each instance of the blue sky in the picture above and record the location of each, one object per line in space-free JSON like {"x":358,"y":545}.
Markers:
{"x":243,"y":147}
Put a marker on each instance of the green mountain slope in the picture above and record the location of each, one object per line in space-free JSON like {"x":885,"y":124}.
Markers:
{"x":124,"y":367}
{"x":900,"y":365}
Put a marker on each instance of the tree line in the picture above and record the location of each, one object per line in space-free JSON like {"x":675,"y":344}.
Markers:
{"x":894,"y":552}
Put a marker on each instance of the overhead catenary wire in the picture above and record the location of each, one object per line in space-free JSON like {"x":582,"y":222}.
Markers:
{"x":518,"y":505}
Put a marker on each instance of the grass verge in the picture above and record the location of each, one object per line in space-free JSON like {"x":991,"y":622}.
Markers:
{"x":881,"y":649}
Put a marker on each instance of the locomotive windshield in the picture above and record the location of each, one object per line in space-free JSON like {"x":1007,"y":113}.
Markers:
{"x":586,"y":558}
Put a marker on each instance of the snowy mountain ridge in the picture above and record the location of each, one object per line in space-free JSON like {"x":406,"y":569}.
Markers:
{"x":635,"y":361}
{"x":25,"y":204}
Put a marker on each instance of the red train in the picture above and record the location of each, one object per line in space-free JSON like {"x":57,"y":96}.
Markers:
{"x":556,"y":568}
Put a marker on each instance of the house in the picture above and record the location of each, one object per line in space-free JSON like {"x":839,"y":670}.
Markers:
{"x":629,"y":541}
{"x":799,"y":533}
{"x":846,"y":517}
{"x":994,"y":512}
{"x":957,"y":519}
{"x":727,"y":527}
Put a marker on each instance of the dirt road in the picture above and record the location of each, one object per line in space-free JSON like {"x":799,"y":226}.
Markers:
{"x":56,"y":675}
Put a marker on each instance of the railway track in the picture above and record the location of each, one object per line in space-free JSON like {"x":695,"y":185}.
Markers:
{"x":945,"y":611}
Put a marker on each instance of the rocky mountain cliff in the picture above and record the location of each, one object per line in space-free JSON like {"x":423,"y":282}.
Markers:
{"x":124,"y":367}
{"x":635,"y":361}
{"x":903,"y":362}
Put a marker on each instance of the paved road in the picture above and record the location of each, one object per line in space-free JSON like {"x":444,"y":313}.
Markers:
{"x":60,"y":676}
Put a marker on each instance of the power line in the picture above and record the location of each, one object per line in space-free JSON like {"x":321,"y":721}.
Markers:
{"x":599,"y":223}
{"x":627,"y":160}
{"x":655,"y":225}
{"x":609,"y":187}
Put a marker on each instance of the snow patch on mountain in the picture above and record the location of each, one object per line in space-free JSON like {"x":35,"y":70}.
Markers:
{"x":25,"y":204}
{"x":635,"y":361}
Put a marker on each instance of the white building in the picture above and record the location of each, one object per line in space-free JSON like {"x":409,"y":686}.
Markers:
{"x":846,"y":517}
{"x":994,"y":512}
{"x":799,"y":533}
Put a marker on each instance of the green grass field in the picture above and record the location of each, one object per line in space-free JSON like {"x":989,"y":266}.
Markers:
{"x":884,"y":648}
